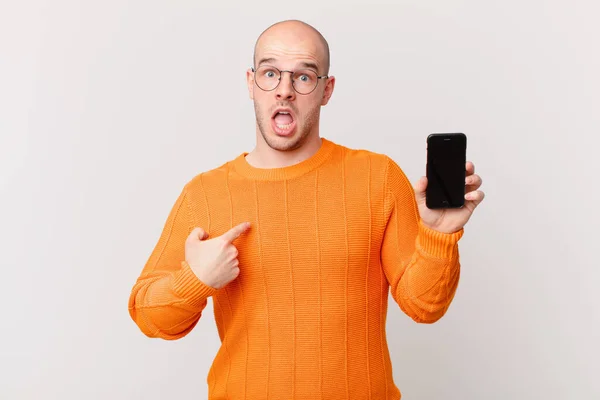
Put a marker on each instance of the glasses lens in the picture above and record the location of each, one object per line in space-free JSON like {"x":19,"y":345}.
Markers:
{"x":266,"y":77}
{"x":305,"y":81}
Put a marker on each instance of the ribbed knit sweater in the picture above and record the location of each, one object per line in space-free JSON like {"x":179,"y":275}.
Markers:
{"x":330,"y":237}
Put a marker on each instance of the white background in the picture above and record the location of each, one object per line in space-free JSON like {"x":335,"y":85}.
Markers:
{"x":108,"y":108}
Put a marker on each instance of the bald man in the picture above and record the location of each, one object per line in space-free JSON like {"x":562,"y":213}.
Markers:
{"x":299,"y":242}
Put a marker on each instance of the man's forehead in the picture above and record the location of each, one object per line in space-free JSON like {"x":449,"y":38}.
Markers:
{"x":301,"y":53}
{"x":294,"y":44}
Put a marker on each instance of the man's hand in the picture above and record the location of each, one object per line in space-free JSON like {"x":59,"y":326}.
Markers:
{"x":452,"y":219}
{"x":214,"y":261}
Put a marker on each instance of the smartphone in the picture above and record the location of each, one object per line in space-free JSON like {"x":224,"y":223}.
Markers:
{"x":446,"y":170}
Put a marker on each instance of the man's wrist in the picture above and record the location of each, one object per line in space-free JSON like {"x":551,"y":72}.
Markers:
{"x":437,"y":243}
{"x":190,"y":287}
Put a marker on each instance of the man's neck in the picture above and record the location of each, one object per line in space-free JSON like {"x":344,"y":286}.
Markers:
{"x":263,"y":156}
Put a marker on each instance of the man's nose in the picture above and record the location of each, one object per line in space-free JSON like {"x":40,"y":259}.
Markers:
{"x":285,"y":90}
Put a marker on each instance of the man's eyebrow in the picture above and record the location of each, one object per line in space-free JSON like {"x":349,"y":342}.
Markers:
{"x":312,"y":65}
{"x":266,"y":60}
{"x":303,"y":64}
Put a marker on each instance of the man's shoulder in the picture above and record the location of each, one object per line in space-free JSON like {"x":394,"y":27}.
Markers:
{"x":380,"y":165}
{"x":207,"y":178}
{"x":358,"y":156}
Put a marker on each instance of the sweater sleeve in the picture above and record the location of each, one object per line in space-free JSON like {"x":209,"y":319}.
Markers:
{"x":421,"y":265}
{"x":167,"y":299}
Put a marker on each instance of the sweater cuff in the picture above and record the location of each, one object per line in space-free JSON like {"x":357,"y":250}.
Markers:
{"x":438,"y":244}
{"x":189,"y":287}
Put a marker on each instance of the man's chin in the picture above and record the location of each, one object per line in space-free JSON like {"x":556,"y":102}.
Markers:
{"x":283,"y":142}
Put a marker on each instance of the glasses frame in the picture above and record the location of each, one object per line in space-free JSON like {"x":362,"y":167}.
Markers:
{"x":279,"y":79}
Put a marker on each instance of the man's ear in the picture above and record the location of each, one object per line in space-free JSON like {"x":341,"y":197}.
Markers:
{"x":250,"y":82}
{"x":328,"y":90}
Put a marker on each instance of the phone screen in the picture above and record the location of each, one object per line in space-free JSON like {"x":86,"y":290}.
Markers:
{"x":446,"y":159}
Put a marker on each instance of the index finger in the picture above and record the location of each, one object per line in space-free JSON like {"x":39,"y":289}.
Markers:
{"x":235,"y":232}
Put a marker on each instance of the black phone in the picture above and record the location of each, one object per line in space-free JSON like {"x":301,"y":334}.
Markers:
{"x":446,"y":170}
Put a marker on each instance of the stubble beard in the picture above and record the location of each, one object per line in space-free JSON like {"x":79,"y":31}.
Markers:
{"x":304,"y":127}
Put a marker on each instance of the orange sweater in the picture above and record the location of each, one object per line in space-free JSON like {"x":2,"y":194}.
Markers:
{"x":306,"y":317}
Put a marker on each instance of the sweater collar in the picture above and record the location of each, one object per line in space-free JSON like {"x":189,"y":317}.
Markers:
{"x":242,"y":166}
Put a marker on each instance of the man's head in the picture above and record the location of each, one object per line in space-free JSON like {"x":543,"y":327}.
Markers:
{"x":289,"y":46}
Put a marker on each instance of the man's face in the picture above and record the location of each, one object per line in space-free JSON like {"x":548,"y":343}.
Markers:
{"x":299,"y":116}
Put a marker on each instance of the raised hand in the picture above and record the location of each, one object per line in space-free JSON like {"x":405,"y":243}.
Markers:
{"x":452,"y":219}
{"x":214,"y":261}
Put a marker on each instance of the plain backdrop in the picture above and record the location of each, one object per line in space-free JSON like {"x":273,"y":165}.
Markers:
{"x":108,"y":108}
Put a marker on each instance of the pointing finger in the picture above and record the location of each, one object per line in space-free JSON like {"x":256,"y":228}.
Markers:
{"x":235,"y":232}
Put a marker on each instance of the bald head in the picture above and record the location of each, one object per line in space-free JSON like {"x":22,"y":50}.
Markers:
{"x":289,"y":31}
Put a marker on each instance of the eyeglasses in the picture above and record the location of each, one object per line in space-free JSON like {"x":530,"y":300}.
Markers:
{"x":304,"y":81}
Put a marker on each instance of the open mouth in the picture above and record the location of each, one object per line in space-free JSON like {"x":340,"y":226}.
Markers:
{"x":283,"y":122}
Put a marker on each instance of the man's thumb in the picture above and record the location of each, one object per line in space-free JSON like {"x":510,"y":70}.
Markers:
{"x":198,"y":233}
{"x":420,"y":190}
